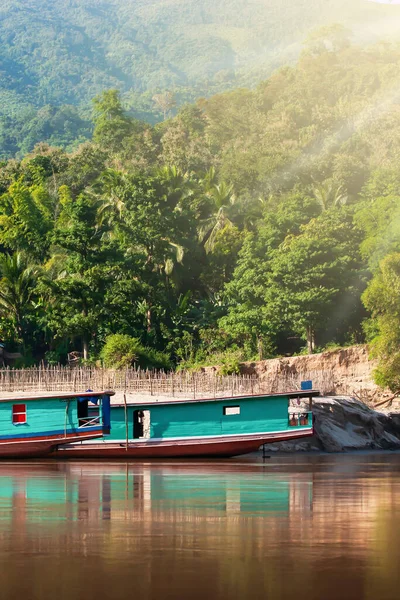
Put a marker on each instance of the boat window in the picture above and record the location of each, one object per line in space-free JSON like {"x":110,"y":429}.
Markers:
{"x":18,"y":413}
{"x":231,"y":410}
{"x":83,"y":411}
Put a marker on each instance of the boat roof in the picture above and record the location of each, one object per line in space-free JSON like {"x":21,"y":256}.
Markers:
{"x":52,"y":395}
{"x":298,"y":394}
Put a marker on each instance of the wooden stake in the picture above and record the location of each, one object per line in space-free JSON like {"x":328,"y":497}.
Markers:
{"x":126,"y":422}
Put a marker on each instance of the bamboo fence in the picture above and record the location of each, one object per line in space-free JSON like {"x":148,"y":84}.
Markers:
{"x":154,"y":383}
{"x":132,"y":381}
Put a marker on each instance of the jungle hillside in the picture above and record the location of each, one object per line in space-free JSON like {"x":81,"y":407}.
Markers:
{"x":55,"y":56}
{"x":253,"y":223}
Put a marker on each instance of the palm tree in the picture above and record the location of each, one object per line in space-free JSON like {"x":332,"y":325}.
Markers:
{"x":112,"y":200}
{"x":329,"y":194}
{"x":177,"y":188}
{"x":209,"y":179}
{"x":222,"y":203}
{"x":17,"y":288}
{"x":248,"y":211}
{"x":172,"y":176}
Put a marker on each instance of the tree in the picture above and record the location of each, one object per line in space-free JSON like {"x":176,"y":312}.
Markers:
{"x":24,"y":218}
{"x":113,"y":187}
{"x":78,"y":272}
{"x":315,"y":276}
{"x":85,"y":166}
{"x":378,"y":215}
{"x":329,"y":194}
{"x":17,"y":291}
{"x":111,"y":125}
{"x":222,"y":201}
{"x":382,"y":298}
{"x":184,"y":143}
{"x":247,"y":320}
{"x":165,"y":102}
{"x":223,"y":257}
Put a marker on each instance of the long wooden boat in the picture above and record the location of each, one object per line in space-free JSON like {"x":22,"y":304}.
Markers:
{"x":33,"y":426}
{"x":199,"y":428}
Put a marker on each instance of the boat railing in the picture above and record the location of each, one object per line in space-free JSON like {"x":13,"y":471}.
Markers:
{"x":89,"y":421}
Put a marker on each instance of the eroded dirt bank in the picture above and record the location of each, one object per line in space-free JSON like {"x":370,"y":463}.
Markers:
{"x":346,"y":371}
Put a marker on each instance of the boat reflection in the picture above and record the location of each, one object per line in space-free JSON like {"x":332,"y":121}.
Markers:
{"x":46,"y":493}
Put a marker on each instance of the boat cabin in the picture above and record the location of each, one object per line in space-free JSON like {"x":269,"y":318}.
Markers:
{"x":35,"y":425}
{"x":207,"y":418}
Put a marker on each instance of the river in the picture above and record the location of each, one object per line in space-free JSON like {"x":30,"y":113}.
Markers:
{"x":307,"y":527}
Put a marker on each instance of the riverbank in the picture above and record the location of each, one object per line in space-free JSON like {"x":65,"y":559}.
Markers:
{"x":343,"y":424}
{"x":343,"y":371}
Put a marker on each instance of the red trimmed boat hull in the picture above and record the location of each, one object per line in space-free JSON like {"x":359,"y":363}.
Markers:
{"x":206,"y":447}
{"x":41,"y":446}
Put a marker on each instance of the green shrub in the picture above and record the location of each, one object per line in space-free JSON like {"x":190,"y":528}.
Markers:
{"x":230,"y":366}
{"x":387,"y":374}
{"x":120,"y":351}
{"x":227,"y":362}
{"x":52,"y":357}
{"x":154,"y":359}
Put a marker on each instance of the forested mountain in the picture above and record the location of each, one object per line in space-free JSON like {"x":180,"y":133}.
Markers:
{"x":253,"y":223}
{"x":57,"y":54}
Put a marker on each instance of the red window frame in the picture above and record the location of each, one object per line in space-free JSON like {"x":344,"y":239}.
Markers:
{"x":18,"y":414}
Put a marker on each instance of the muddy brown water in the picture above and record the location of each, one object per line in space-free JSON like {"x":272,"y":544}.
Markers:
{"x":307,"y":527}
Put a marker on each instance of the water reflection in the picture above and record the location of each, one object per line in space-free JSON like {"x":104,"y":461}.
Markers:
{"x":129,"y":492}
{"x":321,"y":527}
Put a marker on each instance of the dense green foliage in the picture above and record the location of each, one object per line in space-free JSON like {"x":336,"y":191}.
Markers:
{"x":248,"y":225}
{"x":383,"y":298}
{"x":55,"y":56}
